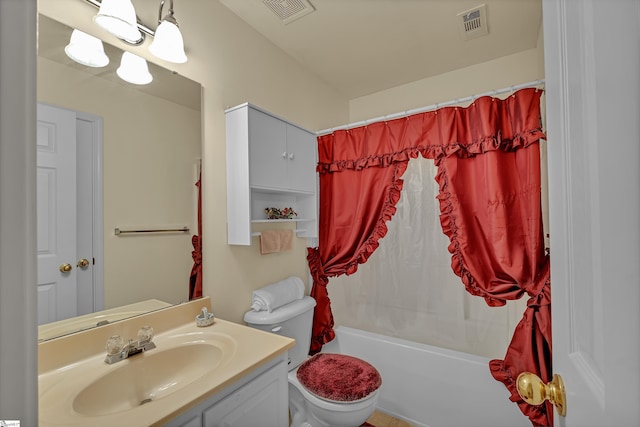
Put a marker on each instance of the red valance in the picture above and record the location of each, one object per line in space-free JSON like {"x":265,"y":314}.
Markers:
{"x":486,"y":125}
{"x":490,"y":210}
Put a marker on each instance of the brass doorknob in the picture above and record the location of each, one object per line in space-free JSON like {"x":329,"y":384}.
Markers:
{"x":534,"y":391}
{"x":65,"y":268}
{"x":83,"y":263}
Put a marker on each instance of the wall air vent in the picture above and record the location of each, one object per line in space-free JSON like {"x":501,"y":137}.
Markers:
{"x":289,"y":10}
{"x":473,"y":22}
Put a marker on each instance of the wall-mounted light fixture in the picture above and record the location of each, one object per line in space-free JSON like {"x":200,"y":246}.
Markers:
{"x":119,"y":18}
{"x":134,"y":69}
{"x":168,"y":43}
{"x":86,"y":50}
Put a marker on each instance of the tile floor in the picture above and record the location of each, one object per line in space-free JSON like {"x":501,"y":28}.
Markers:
{"x":379,"y":419}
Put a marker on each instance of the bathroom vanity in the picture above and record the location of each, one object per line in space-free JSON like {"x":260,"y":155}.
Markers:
{"x":256,"y":400}
{"x":225,"y":374}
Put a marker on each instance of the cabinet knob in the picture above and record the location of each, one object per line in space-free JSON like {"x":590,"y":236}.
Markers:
{"x":284,"y":155}
{"x":292,"y":156}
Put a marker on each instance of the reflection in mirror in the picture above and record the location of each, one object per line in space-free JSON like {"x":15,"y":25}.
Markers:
{"x":136,"y":160}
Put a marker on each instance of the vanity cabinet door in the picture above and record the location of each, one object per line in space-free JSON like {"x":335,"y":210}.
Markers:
{"x":196,"y":421}
{"x":259,"y":403}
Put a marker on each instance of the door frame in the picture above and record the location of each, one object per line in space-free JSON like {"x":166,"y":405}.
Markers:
{"x":96,"y":160}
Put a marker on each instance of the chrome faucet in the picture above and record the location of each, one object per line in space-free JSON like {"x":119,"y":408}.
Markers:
{"x":117,"y":350}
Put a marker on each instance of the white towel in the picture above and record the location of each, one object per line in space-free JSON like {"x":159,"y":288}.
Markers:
{"x":277,"y":294}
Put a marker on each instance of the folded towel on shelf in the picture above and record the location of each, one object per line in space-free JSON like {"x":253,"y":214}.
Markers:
{"x":272,"y":241}
{"x":277,"y":294}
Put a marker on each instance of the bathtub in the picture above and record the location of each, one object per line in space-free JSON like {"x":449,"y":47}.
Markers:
{"x":431,"y":386}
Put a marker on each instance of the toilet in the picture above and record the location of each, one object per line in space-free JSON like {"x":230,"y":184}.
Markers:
{"x":327,"y":389}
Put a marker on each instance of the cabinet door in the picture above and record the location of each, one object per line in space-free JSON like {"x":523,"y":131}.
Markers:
{"x":301,"y":149}
{"x":196,"y":421}
{"x":260,"y":403}
{"x":268,"y":156}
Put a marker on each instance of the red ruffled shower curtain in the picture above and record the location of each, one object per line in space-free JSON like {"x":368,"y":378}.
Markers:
{"x":195,"y":278}
{"x":489,"y":177}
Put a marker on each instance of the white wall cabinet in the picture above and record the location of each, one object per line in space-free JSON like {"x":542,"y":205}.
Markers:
{"x":259,"y":399}
{"x":270,"y":163}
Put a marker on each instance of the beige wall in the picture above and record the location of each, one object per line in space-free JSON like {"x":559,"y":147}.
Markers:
{"x":150,"y":150}
{"x":234,"y":64}
{"x":503,"y":72}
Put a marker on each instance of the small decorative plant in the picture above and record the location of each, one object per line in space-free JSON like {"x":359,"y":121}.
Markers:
{"x":275,"y":213}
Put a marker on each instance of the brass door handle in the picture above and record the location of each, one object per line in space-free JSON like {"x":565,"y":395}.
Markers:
{"x":534,"y":391}
{"x":83,"y":263}
{"x":65,"y":268}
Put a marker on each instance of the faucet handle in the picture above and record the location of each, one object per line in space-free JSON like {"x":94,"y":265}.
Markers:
{"x":145,"y":334}
{"x":115,"y":345}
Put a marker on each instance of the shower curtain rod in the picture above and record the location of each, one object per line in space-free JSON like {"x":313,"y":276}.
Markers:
{"x":432,"y":107}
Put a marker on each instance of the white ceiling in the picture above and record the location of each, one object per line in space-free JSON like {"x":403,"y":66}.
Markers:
{"x":365,"y":46}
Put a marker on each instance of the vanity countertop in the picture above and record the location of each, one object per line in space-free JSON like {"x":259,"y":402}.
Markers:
{"x":68,"y":364}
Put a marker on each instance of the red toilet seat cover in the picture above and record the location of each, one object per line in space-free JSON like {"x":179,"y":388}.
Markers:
{"x":338,"y":377}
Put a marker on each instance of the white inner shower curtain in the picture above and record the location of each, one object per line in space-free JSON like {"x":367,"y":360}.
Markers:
{"x":407,"y":288}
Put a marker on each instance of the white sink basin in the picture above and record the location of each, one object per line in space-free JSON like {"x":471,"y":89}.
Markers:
{"x":189,"y":365}
{"x":92,"y":392}
{"x":147,"y":377}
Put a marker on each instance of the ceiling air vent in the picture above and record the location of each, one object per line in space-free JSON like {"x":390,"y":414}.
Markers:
{"x":289,"y":10}
{"x":473,"y":22}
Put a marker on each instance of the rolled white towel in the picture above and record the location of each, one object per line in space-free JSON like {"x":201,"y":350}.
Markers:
{"x":277,"y":294}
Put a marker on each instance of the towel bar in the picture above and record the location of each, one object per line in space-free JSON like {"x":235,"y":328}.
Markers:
{"x":117,"y":231}
{"x":299,"y":230}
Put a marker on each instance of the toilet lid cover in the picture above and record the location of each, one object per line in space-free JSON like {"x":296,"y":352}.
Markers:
{"x":338,"y":377}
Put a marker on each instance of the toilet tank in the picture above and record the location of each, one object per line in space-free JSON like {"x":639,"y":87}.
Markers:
{"x":293,"y":320}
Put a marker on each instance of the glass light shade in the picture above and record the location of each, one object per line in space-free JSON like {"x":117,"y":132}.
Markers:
{"x":134,"y":69}
{"x":119,"y":18}
{"x":86,"y":50}
{"x":168,"y":43}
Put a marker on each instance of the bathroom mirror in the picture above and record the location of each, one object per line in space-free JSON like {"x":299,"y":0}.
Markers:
{"x":149,"y":164}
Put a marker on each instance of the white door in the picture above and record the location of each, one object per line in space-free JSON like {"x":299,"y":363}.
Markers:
{"x":592,"y":64}
{"x":56,"y":213}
